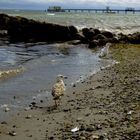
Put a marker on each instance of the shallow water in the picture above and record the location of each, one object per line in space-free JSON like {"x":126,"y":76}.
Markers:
{"x":42,"y":63}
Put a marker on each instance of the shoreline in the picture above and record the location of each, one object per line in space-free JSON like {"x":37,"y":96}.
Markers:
{"x":105,"y":105}
{"x":44,"y":93}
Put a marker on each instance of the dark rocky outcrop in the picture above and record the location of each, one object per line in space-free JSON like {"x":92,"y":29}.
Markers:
{"x":123,"y":38}
{"x":134,"y":38}
{"x":107,"y":34}
{"x":22,"y":29}
{"x":95,"y":37}
{"x":90,"y":33}
{"x":93,"y":44}
{"x":131,"y":38}
{"x":4,"y":19}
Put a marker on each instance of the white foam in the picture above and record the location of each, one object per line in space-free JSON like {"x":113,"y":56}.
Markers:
{"x":51,"y":14}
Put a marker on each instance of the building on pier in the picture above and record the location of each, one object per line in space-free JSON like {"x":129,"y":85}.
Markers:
{"x":55,"y":9}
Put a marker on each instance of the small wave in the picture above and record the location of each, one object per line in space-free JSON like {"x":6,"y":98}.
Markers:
{"x":84,"y":77}
{"x":4,"y":106}
{"x":50,"y":14}
{"x":9,"y":73}
{"x":80,"y":27}
{"x":11,"y":106}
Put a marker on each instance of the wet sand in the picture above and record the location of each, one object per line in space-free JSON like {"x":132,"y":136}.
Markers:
{"x":105,"y":106}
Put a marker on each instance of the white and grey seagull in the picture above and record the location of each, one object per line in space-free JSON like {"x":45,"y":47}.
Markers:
{"x":58,"y":89}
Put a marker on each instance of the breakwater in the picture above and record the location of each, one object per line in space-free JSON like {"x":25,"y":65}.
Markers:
{"x":22,"y":29}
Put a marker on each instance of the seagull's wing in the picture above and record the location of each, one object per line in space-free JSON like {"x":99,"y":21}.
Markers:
{"x":57,"y":89}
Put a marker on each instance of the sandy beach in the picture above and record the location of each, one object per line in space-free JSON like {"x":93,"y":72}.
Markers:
{"x":106,"y":106}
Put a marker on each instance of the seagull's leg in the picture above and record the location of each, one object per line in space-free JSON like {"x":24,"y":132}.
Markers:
{"x":56,"y":104}
{"x":60,"y":101}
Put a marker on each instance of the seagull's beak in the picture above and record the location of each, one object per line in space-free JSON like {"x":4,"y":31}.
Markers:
{"x":65,"y":77}
{"x":62,"y":76}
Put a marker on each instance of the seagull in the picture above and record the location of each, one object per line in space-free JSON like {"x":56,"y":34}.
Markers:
{"x":104,"y":50}
{"x":58,"y":89}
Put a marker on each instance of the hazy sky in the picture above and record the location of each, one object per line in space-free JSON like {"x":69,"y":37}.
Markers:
{"x":44,"y":4}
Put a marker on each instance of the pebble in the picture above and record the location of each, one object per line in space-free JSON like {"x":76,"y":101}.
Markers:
{"x":27,"y":108}
{"x":14,"y":126}
{"x":28,"y":117}
{"x":82,"y":138}
{"x":41,"y":101}
{"x":95,"y":137}
{"x":130,"y":112}
{"x":3,"y":122}
{"x":7,"y":109}
{"x":79,"y":119}
{"x":14,"y":97}
{"x":33,"y":104}
{"x":12,"y":133}
{"x":92,"y":88}
{"x":98,"y":127}
{"x":74,"y":85}
{"x":75,"y":129}
{"x":90,"y":128}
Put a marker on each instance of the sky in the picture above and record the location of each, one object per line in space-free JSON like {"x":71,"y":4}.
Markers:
{"x":44,"y":4}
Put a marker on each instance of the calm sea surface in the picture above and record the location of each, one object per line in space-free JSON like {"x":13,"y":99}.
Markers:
{"x":27,"y":74}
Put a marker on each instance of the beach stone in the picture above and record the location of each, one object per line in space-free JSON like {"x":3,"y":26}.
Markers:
{"x":74,"y":85}
{"x":85,"y":31}
{"x":3,"y":33}
{"x":93,"y":44}
{"x":73,"y":30}
{"x":12,"y":133}
{"x":79,"y":119}
{"x":90,"y":128}
{"x":41,"y":101}
{"x":75,"y":42}
{"x":94,"y":137}
{"x":98,"y":126}
{"x":99,"y":36}
{"x":14,"y":126}
{"x":82,"y":138}
{"x":4,"y":122}
{"x":134,"y":38}
{"x":107,"y":34}
{"x":81,"y":37}
{"x":7,"y":109}
{"x":102,"y":42}
{"x":88,"y":33}
{"x":27,"y":108}
{"x":4,"y":19}
{"x":123,"y":38}
{"x":97,"y":31}
{"x":112,"y":40}
{"x":33,"y":104}
{"x":28,"y":116}
{"x":82,"y":128}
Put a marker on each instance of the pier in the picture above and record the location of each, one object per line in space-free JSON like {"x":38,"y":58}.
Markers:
{"x":103,"y":10}
{"x":106,"y":10}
